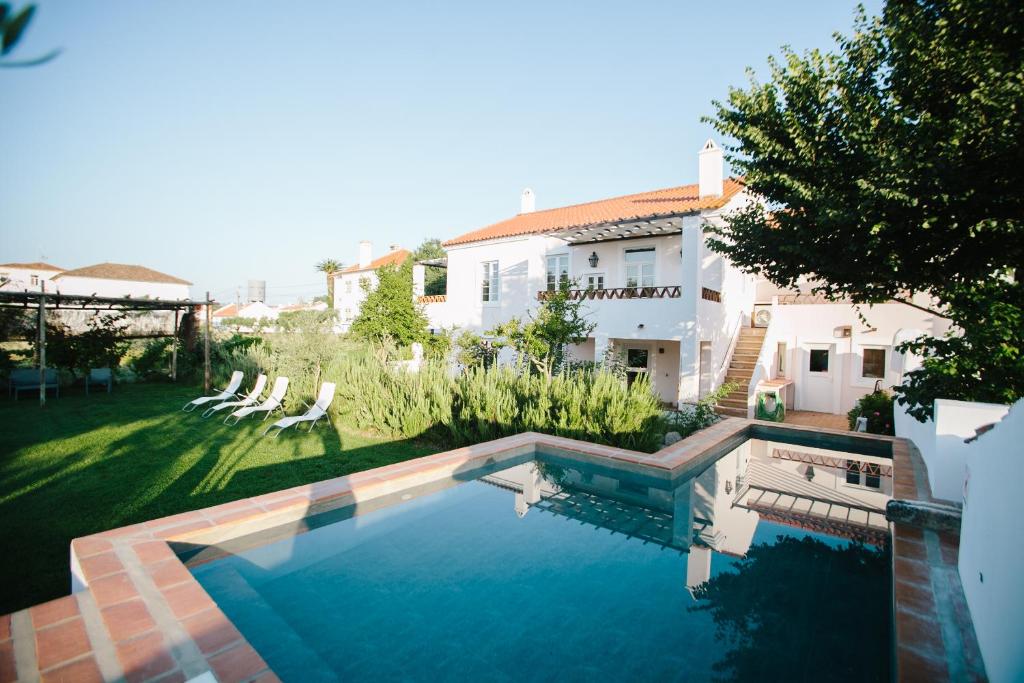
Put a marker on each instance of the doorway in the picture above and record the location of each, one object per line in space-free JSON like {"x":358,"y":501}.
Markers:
{"x":818,"y":373}
{"x":638,"y":362}
{"x":705,"y":370}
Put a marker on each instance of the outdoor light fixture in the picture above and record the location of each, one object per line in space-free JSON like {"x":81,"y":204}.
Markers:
{"x":809,"y":473}
{"x":593,"y":259}
{"x":728,"y":487}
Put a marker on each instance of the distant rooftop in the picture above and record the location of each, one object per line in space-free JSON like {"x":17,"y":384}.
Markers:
{"x":122,"y":271}
{"x":35,"y":265}
{"x":396,"y":257}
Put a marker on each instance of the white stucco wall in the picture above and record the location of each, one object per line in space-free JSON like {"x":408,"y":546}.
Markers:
{"x":120,"y":288}
{"x":800,"y":326}
{"x":991,"y":558}
{"x":20,"y":279}
{"x":349,"y":295}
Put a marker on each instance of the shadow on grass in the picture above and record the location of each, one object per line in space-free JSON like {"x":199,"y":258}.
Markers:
{"x":86,"y":464}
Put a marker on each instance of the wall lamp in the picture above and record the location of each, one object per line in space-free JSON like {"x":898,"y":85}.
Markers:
{"x":593,"y":259}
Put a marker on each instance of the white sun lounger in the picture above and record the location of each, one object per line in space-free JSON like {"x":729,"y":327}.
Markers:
{"x":225,"y":394}
{"x":249,"y":399}
{"x":273,"y":402}
{"x":313,"y":415}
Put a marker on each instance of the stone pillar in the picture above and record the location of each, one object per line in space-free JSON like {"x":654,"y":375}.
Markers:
{"x":601,"y":344}
{"x":419,"y":279}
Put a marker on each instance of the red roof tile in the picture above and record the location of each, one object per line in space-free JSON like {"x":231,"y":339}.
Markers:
{"x":667,"y":202}
{"x":396,"y":257}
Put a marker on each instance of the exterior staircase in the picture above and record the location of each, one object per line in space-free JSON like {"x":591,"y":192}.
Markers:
{"x":741,"y":368}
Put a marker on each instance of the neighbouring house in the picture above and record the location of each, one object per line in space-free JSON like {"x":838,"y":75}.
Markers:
{"x":348,"y":284}
{"x":27,"y":276}
{"x":253,"y":310}
{"x":122,"y":280}
{"x":672,"y":308}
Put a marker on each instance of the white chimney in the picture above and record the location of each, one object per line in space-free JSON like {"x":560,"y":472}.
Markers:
{"x":394,"y":247}
{"x":710,"y":158}
{"x":365,"y":253}
{"x":527,"y":202}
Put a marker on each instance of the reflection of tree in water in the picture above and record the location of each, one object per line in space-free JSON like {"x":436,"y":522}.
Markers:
{"x":802,"y":610}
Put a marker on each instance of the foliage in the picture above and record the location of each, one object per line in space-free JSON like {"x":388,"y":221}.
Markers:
{"x":389,"y":309}
{"x":438,"y":346}
{"x":892,"y":168}
{"x":487,"y":403}
{"x":330,"y":268}
{"x":16,"y":325}
{"x":435,"y":277}
{"x":757,"y":621}
{"x":877,"y":407}
{"x":239,"y":323}
{"x":543,"y":339}
{"x":474,"y":351}
{"x":692,"y":418}
{"x":100,"y":345}
{"x":310,"y":321}
{"x":153,"y":360}
{"x":12,"y":28}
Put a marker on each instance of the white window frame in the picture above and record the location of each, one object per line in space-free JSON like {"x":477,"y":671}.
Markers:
{"x":626,"y":265}
{"x":862,"y":479}
{"x":861,"y":380}
{"x":782,"y":350}
{"x":348,"y":286}
{"x":34,"y":279}
{"x":831,"y":360}
{"x":591,"y":276}
{"x":490,"y":276}
{"x":558,"y":259}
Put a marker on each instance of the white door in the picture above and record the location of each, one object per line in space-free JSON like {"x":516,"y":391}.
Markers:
{"x":819,"y":375}
{"x":705,"y":369}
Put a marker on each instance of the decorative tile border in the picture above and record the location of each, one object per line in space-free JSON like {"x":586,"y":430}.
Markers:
{"x":140,"y":616}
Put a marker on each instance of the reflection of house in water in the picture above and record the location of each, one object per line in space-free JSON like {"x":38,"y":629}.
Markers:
{"x":810,"y":488}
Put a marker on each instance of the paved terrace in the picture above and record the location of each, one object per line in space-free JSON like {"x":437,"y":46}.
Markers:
{"x":141,"y":616}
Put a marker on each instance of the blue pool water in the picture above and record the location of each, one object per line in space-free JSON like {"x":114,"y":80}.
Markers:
{"x":557,"y":570}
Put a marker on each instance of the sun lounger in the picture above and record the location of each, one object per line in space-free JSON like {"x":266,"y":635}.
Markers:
{"x":313,"y":415}
{"x":225,"y":394}
{"x":274,"y":402}
{"x":249,"y":399}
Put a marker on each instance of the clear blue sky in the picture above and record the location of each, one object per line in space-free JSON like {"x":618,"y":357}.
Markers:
{"x":221,"y":141}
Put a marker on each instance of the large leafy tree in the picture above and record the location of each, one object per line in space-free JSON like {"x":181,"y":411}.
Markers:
{"x":330,"y":268}
{"x":388,"y":309}
{"x":891,"y":170}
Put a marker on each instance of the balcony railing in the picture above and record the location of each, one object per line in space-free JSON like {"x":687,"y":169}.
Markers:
{"x":673,"y":292}
{"x":433,"y":298}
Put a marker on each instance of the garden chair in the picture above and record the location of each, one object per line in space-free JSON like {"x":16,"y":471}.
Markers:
{"x":103,"y":377}
{"x":225,"y":394}
{"x":249,"y":399}
{"x":27,"y":379}
{"x":274,"y":402}
{"x":312,"y":415}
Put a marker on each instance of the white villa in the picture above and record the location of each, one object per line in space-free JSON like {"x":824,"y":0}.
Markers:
{"x":27,"y":276}
{"x":673,"y":308}
{"x":348,"y":290}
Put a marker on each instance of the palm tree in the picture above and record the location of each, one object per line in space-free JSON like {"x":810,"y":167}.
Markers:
{"x":330,"y":267}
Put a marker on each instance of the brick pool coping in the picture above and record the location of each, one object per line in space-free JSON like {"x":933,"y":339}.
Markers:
{"x":138,"y":614}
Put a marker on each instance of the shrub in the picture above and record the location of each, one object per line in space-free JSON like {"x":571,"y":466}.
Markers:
{"x":693,"y":418}
{"x":877,"y":407}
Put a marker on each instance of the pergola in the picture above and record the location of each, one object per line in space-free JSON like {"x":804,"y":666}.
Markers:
{"x":43,"y":301}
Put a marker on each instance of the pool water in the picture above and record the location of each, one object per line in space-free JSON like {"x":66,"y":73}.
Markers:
{"x":553,"y":569}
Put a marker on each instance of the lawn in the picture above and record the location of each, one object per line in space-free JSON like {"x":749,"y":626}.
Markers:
{"x":85,"y":464}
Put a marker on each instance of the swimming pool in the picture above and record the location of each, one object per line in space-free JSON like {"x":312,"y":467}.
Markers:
{"x":771,"y":563}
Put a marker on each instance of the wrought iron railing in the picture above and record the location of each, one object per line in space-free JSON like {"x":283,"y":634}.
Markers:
{"x":672,"y":292}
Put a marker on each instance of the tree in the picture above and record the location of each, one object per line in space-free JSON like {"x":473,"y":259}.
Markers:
{"x":330,"y":267}
{"x":388,"y":309}
{"x":99,"y":346}
{"x":892,"y":169}
{"x":542,"y":340}
{"x":435,"y":277}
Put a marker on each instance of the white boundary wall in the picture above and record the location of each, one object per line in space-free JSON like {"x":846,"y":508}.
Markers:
{"x":991,"y":560}
{"x":941,"y":440}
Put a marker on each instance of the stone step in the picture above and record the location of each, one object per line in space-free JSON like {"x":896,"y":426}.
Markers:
{"x":733,"y":403}
{"x":750,"y":356}
{"x":753,"y":331}
{"x":742,"y":365}
{"x":731,"y":412}
{"x":742,"y":380}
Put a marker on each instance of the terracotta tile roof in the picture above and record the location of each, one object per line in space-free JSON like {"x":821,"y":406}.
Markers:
{"x":396,"y":257}
{"x":667,"y":202}
{"x":228,"y":311}
{"x":121,"y":271}
{"x":35,"y":265}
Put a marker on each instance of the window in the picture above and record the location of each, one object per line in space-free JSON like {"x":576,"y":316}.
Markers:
{"x":558,"y":271}
{"x":636,"y":364}
{"x":874,"y":364}
{"x":595,"y":281}
{"x":348,"y":314}
{"x":819,"y":360}
{"x":348,"y":286}
{"x":867,"y":474}
{"x":35,"y":280}
{"x":640,"y":267}
{"x":490,"y":285}
{"x":781,"y":350}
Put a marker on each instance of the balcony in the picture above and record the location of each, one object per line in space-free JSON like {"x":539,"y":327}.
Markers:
{"x":671,"y":292}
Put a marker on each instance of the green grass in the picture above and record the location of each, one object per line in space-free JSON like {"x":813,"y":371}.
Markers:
{"x":86,"y":464}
